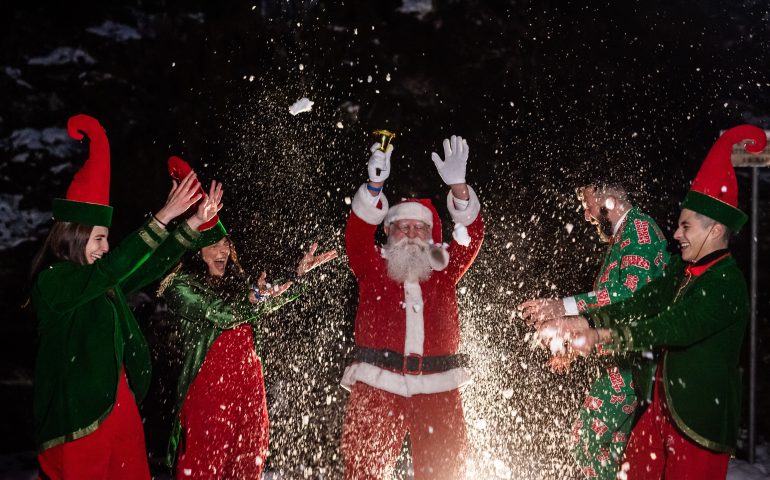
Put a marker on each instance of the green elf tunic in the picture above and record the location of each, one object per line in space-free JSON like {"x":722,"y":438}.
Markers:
{"x":636,"y":256}
{"x":202,"y":316}
{"x":87,"y":332}
{"x":699,"y":315}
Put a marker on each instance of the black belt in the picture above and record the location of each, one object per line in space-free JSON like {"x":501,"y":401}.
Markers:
{"x":411,"y":364}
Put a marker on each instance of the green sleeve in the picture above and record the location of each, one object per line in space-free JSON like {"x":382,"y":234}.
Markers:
{"x":711,"y":307}
{"x":649,"y":301}
{"x":163,"y":258}
{"x":636,"y":261}
{"x":67,"y":285}
{"x":194,"y":304}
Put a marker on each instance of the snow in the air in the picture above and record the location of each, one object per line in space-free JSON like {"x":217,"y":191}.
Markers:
{"x":302,"y":105}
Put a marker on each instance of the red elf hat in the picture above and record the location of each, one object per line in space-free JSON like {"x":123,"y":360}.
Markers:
{"x":211,"y":231}
{"x":714,"y":192}
{"x":88,"y":198}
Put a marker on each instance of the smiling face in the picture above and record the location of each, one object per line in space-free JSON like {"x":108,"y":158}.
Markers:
{"x":401,"y":229}
{"x":697,"y":236}
{"x":216,"y":257}
{"x":97,"y":244}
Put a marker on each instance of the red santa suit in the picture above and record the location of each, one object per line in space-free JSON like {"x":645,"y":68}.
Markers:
{"x":416,"y":323}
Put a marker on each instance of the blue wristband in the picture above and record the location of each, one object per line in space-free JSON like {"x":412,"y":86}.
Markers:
{"x":373,"y":189}
{"x":255,"y":290}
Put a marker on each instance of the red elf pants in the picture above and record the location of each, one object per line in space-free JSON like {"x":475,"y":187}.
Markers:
{"x":224,"y":416}
{"x":115,"y":450}
{"x":376,"y":422}
{"x":658,"y":450}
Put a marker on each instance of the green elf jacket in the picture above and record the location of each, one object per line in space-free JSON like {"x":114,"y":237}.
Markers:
{"x":636,"y":256}
{"x":202,"y":316}
{"x":87,"y":332}
{"x":700,"y":319}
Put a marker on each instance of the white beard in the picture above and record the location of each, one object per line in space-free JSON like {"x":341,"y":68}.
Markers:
{"x":408,"y":260}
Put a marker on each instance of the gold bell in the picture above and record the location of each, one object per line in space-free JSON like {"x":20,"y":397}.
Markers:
{"x":386,"y":137}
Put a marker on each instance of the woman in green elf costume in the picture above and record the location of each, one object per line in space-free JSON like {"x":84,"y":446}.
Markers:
{"x":93,"y":363}
{"x":220,"y":423}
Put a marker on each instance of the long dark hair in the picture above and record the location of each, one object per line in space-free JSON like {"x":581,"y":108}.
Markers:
{"x":65,"y":241}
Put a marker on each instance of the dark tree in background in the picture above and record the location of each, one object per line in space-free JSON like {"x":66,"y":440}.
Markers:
{"x":549,"y":94}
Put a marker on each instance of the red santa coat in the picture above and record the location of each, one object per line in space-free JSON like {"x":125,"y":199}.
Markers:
{"x":408,"y":318}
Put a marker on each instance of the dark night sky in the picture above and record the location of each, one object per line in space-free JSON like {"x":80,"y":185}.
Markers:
{"x":548,"y":93}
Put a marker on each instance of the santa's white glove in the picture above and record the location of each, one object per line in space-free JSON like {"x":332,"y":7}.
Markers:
{"x":452,"y":168}
{"x":379,"y":163}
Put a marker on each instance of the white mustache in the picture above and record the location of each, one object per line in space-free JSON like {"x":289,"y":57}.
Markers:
{"x":411,"y":241}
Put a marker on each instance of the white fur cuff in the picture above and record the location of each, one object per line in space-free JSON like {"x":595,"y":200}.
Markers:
{"x":467,"y":216}
{"x":363,"y":208}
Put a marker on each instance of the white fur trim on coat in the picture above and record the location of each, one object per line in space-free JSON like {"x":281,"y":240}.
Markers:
{"x":409,"y":211}
{"x":404,"y":385}
{"x":415,"y":321}
{"x":468,"y":215}
{"x":363,"y":208}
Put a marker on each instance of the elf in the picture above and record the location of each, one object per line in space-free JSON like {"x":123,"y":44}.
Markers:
{"x":93,"y":363}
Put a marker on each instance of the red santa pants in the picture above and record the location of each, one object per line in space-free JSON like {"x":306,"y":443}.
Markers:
{"x":224,"y":417}
{"x":115,"y":450}
{"x":376,"y":422}
{"x":658,"y":450}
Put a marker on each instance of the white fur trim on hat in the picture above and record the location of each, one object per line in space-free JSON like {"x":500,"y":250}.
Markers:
{"x":409,"y":211}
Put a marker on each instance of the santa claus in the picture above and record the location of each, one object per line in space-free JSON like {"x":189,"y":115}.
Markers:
{"x":406,"y":372}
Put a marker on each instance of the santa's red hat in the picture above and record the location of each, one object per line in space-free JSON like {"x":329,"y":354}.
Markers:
{"x":714,"y":192}
{"x":88,"y":198}
{"x":211,"y":231}
{"x":420,"y":209}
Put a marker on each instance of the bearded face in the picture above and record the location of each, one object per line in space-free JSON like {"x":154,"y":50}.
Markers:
{"x":603,"y":225}
{"x":596,"y":212}
{"x":408,"y":259}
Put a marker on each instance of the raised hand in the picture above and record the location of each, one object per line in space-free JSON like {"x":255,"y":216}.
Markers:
{"x":182,"y":196}
{"x":452,"y":167}
{"x":209,"y":206}
{"x":310,"y":260}
{"x":379,"y":163}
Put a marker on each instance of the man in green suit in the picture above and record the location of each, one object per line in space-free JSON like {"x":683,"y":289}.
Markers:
{"x":636,"y":255}
{"x":696,"y":314}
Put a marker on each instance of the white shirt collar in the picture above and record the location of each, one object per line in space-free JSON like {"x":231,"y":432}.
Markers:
{"x":616,"y":227}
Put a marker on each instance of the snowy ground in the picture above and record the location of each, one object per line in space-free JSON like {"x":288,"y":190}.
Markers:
{"x":21,"y":466}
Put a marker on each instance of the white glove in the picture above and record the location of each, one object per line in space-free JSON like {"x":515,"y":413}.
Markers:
{"x":379,"y":163}
{"x":452,"y":168}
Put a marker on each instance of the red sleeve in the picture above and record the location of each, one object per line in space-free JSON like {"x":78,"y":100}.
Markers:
{"x":363,"y":255}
